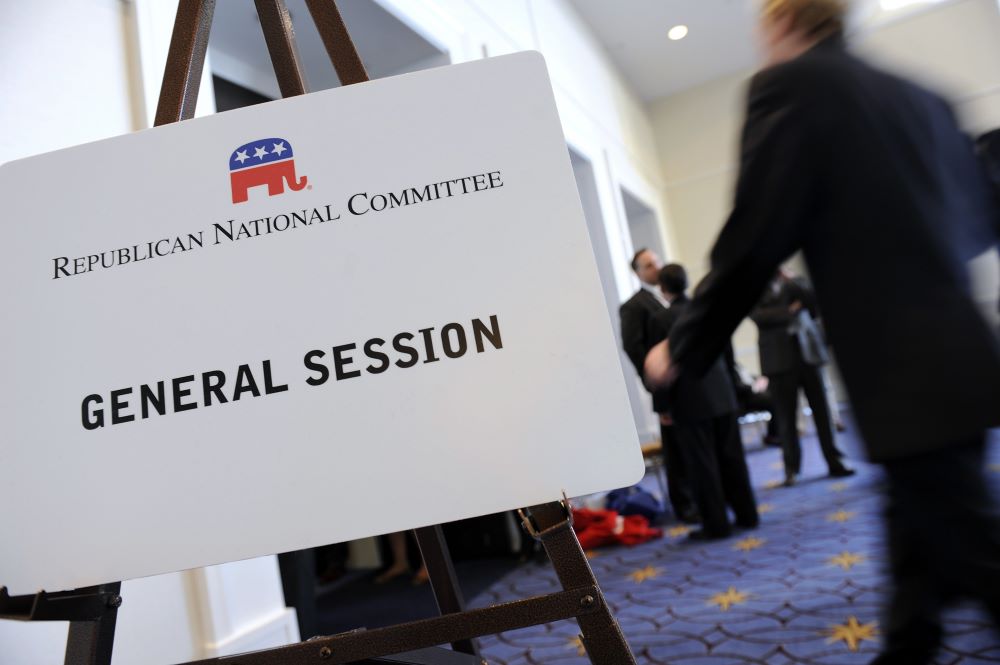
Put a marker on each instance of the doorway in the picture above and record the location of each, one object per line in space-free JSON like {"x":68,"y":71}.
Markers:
{"x":586,"y":183}
{"x":643,"y":225}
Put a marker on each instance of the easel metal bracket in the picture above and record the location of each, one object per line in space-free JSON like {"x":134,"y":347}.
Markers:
{"x":86,"y":604}
{"x":554,"y":524}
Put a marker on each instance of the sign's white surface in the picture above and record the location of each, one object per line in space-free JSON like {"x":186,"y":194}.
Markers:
{"x":178,"y":383}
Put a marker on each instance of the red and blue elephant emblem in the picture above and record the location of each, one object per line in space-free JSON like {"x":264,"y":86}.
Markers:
{"x":263,"y":162}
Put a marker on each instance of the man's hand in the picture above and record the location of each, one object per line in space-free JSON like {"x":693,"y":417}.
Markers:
{"x":795,"y":307}
{"x":658,"y":371}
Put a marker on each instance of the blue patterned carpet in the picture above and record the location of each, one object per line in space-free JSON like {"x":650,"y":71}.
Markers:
{"x":807,"y":587}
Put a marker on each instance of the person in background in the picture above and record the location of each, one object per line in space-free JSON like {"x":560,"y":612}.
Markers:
{"x":639,"y":333}
{"x":869,"y":175}
{"x":792,"y":354}
{"x":704,"y":413}
{"x":400,"y":565}
{"x":831,"y":397}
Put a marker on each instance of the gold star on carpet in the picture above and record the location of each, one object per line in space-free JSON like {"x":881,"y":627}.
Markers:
{"x":748,"y":544}
{"x":777,"y":466}
{"x":648,"y":573}
{"x":840,"y":516}
{"x":846,"y":560}
{"x":838,"y":487}
{"x":592,"y":554}
{"x":678,"y":531}
{"x":765,"y":508}
{"x":773,"y":484}
{"x":728,"y":599}
{"x":577,"y":643}
{"x":852,"y":633}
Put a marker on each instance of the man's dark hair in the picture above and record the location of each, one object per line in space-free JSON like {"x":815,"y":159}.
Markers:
{"x":673,"y":279}
{"x":635,"y":258}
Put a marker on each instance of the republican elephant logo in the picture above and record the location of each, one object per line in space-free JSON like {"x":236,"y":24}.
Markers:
{"x":264,"y":162}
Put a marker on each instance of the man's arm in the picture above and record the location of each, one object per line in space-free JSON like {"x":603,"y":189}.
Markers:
{"x":633,"y":334}
{"x":781,"y":158}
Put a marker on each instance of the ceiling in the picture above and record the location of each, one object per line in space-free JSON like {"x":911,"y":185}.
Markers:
{"x":237,"y":51}
{"x":720,"y":41}
{"x":634,"y":33}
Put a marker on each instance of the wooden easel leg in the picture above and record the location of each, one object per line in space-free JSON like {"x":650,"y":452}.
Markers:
{"x":185,"y":61}
{"x":337,"y":41}
{"x":444,"y":582}
{"x":280,"y":38}
{"x":602,"y":638}
{"x":91,"y":642}
{"x":298,"y":582}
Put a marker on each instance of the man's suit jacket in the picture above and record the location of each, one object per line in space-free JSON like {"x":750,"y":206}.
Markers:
{"x":640,"y":332}
{"x":869,"y":175}
{"x":781,"y":350}
{"x":988,"y":148}
{"x":694,"y":398}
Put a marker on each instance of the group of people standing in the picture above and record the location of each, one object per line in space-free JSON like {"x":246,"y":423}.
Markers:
{"x":700,"y":433}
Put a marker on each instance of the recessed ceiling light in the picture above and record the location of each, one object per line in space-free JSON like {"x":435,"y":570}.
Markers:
{"x":678,"y":32}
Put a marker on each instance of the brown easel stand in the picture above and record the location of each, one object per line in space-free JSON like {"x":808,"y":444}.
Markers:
{"x":92,"y":611}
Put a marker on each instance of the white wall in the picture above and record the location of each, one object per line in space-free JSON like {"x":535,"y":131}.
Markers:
{"x":85,"y":70}
{"x":953,"y":47}
{"x":52,"y":76}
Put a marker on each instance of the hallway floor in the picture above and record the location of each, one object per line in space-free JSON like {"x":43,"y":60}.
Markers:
{"x":806,"y":588}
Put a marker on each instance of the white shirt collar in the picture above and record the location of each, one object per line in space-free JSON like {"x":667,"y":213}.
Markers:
{"x":656,"y":293}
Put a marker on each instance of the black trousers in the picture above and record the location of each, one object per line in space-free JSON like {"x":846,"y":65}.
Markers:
{"x":678,"y":478}
{"x":713,"y":452}
{"x":784,"y":387}
{"x":944,"y":545}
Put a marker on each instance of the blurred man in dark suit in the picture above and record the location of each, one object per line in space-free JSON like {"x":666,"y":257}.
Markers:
{"x":639,"y":334}
{"x":704,"y":412}
{"x":988,"y":149}
{"x":792,"y":353}
{"x":870,"y":176}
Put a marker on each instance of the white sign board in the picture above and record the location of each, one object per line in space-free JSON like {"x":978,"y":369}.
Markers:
{"x":337,"y":315}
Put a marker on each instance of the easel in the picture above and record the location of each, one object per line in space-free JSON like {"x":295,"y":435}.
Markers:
{"x":92,"y":611}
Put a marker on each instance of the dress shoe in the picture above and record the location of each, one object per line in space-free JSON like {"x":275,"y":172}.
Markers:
{"x":690,"y":517}
{"x":790,"y":479}
{"x":842,"y":472}
{"x":701,"y":535}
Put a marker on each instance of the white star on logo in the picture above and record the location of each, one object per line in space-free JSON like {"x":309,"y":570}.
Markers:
{"x":259,"y":152}
{"x":279,"y":148}
{"x":241,"y":156}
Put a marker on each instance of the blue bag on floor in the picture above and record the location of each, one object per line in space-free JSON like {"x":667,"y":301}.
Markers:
{"x":635,"y":501}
